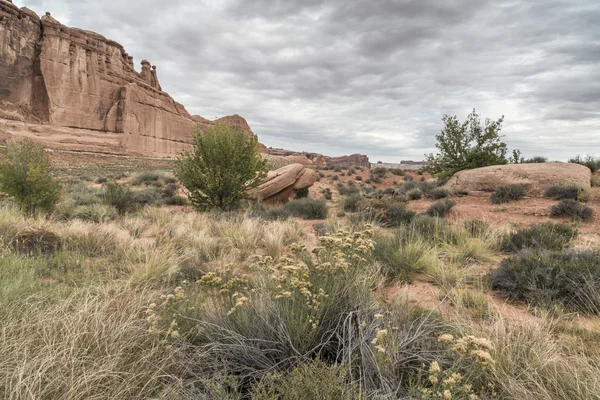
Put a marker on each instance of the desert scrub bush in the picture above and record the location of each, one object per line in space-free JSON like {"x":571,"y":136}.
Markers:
{"x":147,"y":196}
{"x":439,"y":192}
{"x":327,"y":195}
{"x":302,"y":309}
{"x":221,"y":167}
{"x":26,"y":176}
{"x":386,"y":212}
{"x":568,"y":279}
{"x":414,"y":194}
{"x":307,"y":208}
{"x":507,"y":193}
{"x":308,"y":380}
{"x":358,"y":178}
{"x":117,"y":195}
{"x":351,"y":202}
{"x":572,"y":209}
{"x":403,"y":254}
{"x":379,"y":172}
{"x":146,"y":178}
{"x":561,"y":192}
{"x":545,"y":236}
{"x":461,"y":374}
{"x":441,"y":208}
{"x":302,"y":193}
{"x":347,"y":190}
{"x":82,"y":195}
{"x":595,"y":181}
{"x":593,"y":163}
{"x":397,"y":171}
{"x":476,"y":227}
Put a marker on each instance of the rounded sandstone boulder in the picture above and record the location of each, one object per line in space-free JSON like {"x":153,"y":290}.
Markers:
{"x":283,"y":183}
{"x":537,"y":177}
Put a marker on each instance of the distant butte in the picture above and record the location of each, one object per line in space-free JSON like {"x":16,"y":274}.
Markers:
{"x":75,"y":89}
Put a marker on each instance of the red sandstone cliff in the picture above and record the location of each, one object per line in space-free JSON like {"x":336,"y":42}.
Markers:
{"x":78,"y":90}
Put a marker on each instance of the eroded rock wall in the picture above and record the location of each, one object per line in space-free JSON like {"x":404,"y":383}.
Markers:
{"x":71,"y":78}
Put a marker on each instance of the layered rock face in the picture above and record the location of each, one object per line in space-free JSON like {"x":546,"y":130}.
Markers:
{"x":537,"y":177}
{"x":282,"y":184}
{"x":71,"y":88}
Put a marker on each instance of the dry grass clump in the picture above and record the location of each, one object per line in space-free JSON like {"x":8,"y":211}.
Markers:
{"x":92,"y":345}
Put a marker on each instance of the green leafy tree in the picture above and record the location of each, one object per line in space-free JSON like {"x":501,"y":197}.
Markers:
{"x":466,"y":145}
{"x":220,"y":168}
{"x":26,"y":176}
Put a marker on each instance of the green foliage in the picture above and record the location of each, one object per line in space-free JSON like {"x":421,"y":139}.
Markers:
{"x":302,"y":193}
{"x":146,"y":178}
{"x":397,"y":171}
{"x":307,"y":208}
{"x":440,"y":208}
{"x":414,"y":194}
{"x":389,"y":213}
{"x":308,"y":380}
{"x":561,"y":192}
{"x":439,"y":192}
{"x":569,"y":279}
{"x":534,"y":160}
{"x":593,"y":163}
{"x":117,"y":195}
{"x":221,"y":167}
{"x":26,"y":176}
{"x":379,"y":172}
{"x":545,"y":236}
{"x":262,"y":211}
{"x":351,"y":202}
{"x":358,"y":178}
{"x":403,"y":254}
{"x":347,"y":190}
{"x":507,"y":193}
{"x":573,"y":209}
{"x":327,"y":195}
{"x":147,"y":196}
{"x":467,"y":145}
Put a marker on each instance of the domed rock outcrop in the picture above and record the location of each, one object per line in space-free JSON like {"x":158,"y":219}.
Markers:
{"x":283,"y":183}
{"x":537,"y":177}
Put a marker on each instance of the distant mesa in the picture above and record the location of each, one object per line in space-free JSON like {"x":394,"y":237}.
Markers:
{"x":320,"y":160}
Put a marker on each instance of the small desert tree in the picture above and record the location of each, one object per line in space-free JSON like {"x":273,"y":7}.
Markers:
{"x":26,"y":176}
{"x":220,"y":168}
{"x":465,"y":145}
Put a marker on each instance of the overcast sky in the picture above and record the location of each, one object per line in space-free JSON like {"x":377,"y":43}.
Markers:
{"x":369,"y":76}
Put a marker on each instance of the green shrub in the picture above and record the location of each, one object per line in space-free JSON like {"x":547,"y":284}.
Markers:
{"x":351,"y":202}
{"x":176,"y":200}
{"x":146,"y":178}
{"x":439,"y":192}
{"x":337,"y":168}
{"x":467,"y":145}
{"x":327,"y":195}
{"x":595,"y":181}
{"x":561,"y":192}
{"x":387,"y":212}
{"x":545,"y":236}
{"x":375,"y":179}
{"x":307,"y":208}
{"x":589,"y":161}
{"x":572,"y":209}
{"x":117,"y":195}
{"x":221,"y":167}
{"x":26,"y":176}
{"x":379,"y":172}
{"x":35,"y":241}
{"x":534,"y":160}
{"x":397,"y":171}
{"x":507,"y":193}
{"x":440,"y":208}
{"x":147,"y":196}
{"x":347,"y":190}
{"x":358,"y":178}
{"x":302,"y":193}
{"x":403,"y":254}
{"x":82,"y":195}
{"x":101,"y":180}
{"x":414,"y":194}
{"x":335,"y":178}
{"x":569,"y":279}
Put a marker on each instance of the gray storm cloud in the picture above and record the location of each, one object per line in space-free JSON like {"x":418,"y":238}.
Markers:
{"x":373,"y":77}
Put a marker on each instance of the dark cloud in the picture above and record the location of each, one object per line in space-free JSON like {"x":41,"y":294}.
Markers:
{"x":374,"y":77}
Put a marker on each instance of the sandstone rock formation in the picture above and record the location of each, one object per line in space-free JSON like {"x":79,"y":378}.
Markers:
{"x":282,"y":184}
{"x":319,"y":160}
{"x":77,"y":89}
{"x":537,"y":177}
